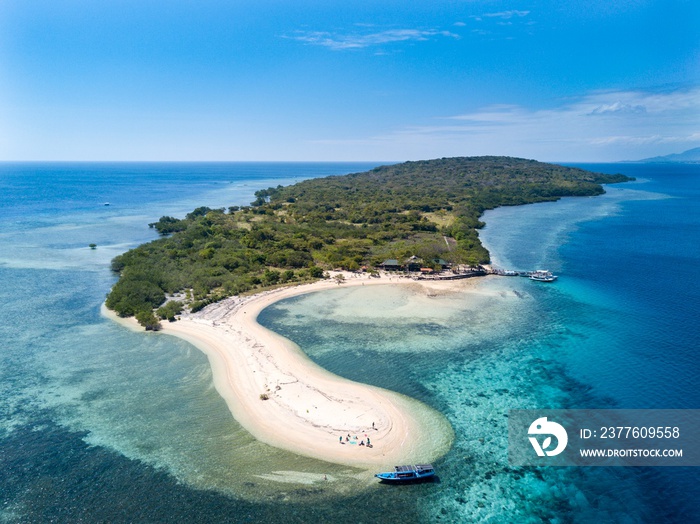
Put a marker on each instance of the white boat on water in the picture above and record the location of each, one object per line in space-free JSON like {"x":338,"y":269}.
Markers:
{"x":543,"y":275}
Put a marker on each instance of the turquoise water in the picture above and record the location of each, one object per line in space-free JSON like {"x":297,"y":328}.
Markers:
{"x":101,"y":424}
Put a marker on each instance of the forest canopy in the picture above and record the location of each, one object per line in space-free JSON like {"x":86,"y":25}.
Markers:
{"x":430,"y":209}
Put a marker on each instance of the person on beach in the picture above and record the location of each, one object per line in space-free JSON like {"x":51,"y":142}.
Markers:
{"x":368,"y":442}
{"x":340,"y":439}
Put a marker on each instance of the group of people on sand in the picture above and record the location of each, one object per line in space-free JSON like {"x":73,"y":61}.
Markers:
{"x":354,"y":439}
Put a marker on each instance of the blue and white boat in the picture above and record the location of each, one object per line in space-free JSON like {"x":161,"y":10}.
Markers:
{"x":407,"y":474}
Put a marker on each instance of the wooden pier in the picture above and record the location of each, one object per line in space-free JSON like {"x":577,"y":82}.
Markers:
{"x":540,"y":275}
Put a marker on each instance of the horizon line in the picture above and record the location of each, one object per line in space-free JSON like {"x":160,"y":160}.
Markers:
{"x":309,"y":161}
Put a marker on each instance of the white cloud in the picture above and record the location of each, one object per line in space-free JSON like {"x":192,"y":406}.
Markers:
{"x":617,"y":108}
{"x":502,"y":22}
{"x":599,"y":126}
{"x":338,"y":41}
{"x":506,"y":15}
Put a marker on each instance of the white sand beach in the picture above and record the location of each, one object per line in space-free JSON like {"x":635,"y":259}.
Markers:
{"x":309,"y":410}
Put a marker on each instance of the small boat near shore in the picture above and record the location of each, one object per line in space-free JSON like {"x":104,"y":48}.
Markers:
{"x":542,"y":275}
{"x":405,"y":474}
{"x":505,"y":272}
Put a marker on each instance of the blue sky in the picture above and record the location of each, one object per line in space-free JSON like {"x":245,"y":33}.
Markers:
{"x":554,"y":80}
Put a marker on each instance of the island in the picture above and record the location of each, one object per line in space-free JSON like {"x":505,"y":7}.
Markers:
{"x":214,"y":270}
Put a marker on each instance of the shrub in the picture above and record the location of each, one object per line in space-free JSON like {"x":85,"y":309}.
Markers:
{"x":148,"y":320}
{"x":169,"y":310}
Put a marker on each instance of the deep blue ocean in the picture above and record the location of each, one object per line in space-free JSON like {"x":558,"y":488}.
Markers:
{"x":100,"y":424}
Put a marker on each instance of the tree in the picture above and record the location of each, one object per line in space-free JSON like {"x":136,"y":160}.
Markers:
{"x":270,"y":277}
{"x":315,"y":272}
{"x":167,"y":225}
{"x":169,"y":310}
{"x":148,"y":320}
{"x":131,"y":296}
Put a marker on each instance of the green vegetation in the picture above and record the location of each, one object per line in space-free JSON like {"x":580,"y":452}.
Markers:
{"x":429,"y":209}
{"x":169,"y":310}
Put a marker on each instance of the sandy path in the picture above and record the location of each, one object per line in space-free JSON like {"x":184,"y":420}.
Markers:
{"x":308,"y":408}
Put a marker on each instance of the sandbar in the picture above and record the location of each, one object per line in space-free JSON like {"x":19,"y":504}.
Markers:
{"x":308,"y":410}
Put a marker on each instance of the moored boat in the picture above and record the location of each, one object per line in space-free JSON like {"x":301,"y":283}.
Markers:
{"x":407,"y":474}
{"x":542,"y":275}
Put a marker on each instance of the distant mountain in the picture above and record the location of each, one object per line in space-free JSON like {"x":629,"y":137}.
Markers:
{"x":691,"y":156}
